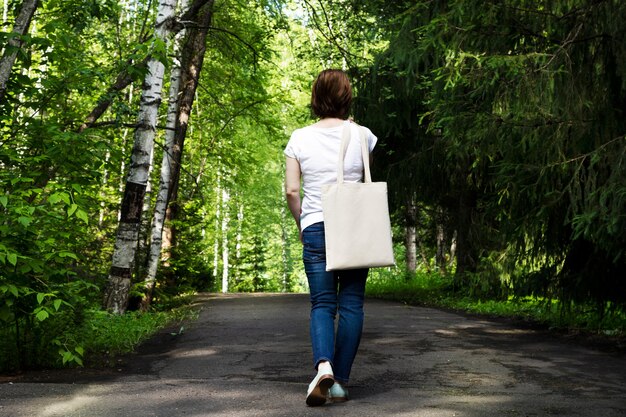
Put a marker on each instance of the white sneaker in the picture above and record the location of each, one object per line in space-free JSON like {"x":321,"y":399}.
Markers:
{"x":337,"y":393}
{"x":318,"y":388}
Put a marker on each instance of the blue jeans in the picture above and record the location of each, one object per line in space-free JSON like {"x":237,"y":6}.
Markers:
{"x":331,"y":293}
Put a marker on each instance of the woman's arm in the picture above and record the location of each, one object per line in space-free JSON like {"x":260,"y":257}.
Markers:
{"x":292,"y":189}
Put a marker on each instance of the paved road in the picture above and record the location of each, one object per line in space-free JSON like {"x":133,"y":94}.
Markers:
{"x":248,"y":355}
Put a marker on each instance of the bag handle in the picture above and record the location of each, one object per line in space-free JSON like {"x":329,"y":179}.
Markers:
{"x":365,"y":154}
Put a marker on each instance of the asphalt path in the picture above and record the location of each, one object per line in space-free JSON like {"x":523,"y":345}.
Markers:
{"x":249,"y":355}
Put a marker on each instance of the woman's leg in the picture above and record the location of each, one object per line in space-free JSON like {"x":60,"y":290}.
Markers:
{"x":350,"y":327}
{"x":323,"y":294}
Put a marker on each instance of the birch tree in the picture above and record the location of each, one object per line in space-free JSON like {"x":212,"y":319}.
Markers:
{"x":216,"y":241}
{"x":117,"y":291}
{"x":225,"y":252}
{"x":193,"y":53}
{"x":158,"y":219}
{"x":183,"y":84}
{"x":20,"y":28}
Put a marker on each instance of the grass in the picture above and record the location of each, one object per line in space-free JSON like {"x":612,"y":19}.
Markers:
{"x":435,"y":290}
{"x":106,"y":334}
{"x":88,"y":336}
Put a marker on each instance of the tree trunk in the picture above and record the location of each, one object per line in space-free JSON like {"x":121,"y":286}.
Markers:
{"x":192,"y":60}
{"x":239,"y":231}
{"x":225,"y":255}
{"x":410,"y":237}
{"x":141,"y":255}
{"x":22,"y":22}
{"x":452,"y":250}
{"x":117,"y":291}
{"x":466,"y":253}
{"x":218,"y":213}
{"x":160,"y":208}
{"x":442,"y":240}
{"x":5,"y":11}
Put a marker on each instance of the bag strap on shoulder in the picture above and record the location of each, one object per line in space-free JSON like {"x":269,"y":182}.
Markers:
{"x":365,"y":154}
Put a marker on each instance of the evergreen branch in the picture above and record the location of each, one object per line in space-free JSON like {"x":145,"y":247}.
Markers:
{"x":588,"y":154}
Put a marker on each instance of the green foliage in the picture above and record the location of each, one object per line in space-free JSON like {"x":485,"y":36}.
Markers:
{"x":508,"y":116}
{"x":436,"y":290}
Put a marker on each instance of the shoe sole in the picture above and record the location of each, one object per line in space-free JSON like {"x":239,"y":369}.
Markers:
{"x":338,"y":399}
{"x":318,"y":395}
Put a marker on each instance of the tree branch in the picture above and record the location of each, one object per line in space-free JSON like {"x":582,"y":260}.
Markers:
{"x":234,"y":35}
{"x":330,"y":38}
{"x":124,"y":79}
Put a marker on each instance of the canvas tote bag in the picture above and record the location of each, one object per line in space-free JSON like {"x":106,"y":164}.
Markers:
{"x":356,"y":217}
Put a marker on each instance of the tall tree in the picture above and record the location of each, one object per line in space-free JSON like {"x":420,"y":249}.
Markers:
{"x":192,"y":61}
{"x":167,"y":164}
{"x":119,"y":281}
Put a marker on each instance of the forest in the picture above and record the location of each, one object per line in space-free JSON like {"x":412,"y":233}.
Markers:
{"x":141,"y":153}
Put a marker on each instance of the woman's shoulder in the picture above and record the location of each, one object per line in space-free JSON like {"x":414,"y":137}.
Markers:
{"x":302,"y":131}
{"x":365,"y":128}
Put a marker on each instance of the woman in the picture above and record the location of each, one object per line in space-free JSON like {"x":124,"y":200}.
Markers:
{"x":312,"y":156}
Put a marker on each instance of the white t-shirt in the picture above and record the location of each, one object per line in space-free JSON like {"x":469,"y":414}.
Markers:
{"x":317,"y":151}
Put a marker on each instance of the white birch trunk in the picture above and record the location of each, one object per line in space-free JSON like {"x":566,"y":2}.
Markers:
{"x":216,"y":242}
{"x":22,"y":22}
{"x":116,"y":296}
{"x":160,"y":208}
{"x":225,"y":220}
{"x":5,"y":11}
{"x":239,"y":231}
{"x":141,"y":256}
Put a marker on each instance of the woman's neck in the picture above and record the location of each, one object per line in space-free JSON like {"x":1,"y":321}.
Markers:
{"x":329,"y":122}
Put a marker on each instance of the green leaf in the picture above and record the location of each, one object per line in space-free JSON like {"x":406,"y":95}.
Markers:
{"x":65,"y":254}
{"x":4,"y":200}
{"x":54,"y":198}
{"x":79,"y":350}
{"x":12,"y":257}
{"x":71,"y":210}
{"x":65,"y":197}
{"x":57,"y":304}
{"x":83,"y":216}
{"x":42,"y":315}
{"x":77,"y":188}
{"x":25,"y":221}
{"x":40,"y":297}
{"x":14,"y":291}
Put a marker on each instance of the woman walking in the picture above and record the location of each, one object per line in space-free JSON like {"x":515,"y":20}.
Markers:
{"x":312,"y":154}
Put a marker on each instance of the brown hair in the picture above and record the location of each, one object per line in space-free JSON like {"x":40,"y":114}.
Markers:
{"x":332,"y":94}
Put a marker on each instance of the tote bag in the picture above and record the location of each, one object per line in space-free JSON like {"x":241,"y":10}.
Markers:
{"x":356,"y":217}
